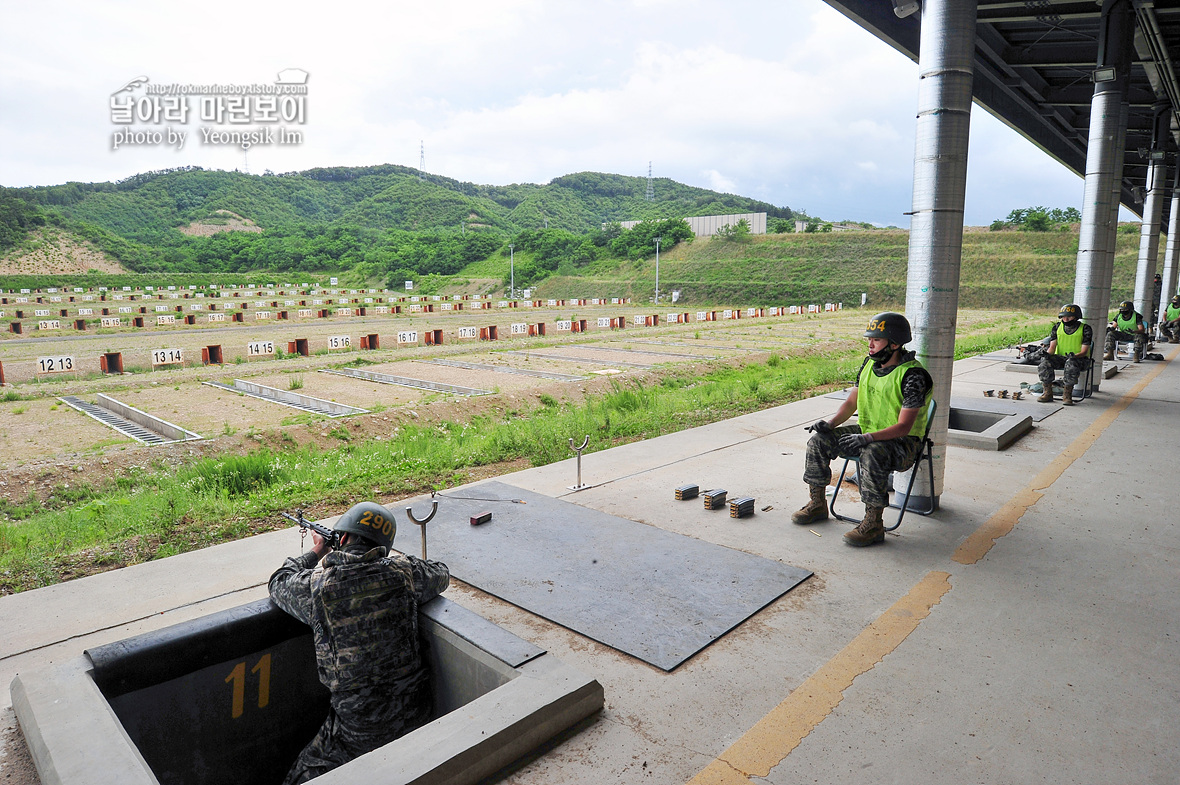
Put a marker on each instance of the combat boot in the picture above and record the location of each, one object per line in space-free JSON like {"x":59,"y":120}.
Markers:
{"x":816,"y":508}
{"x":1047,"y":395}
{"x":1067,"y":394}
{"x":870,"y":531}
{"x":1109,"y":354}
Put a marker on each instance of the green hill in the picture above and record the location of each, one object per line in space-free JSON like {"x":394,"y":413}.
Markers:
{"x":1007,"y":269}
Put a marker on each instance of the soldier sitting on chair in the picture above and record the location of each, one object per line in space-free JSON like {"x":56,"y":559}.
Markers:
{"x":1070,"y":342}
{"x":889,"y":399}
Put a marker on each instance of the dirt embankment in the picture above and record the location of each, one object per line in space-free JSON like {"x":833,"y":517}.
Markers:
{"x":49,"y":251}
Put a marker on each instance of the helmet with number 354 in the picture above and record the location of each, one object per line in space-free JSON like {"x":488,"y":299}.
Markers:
{"x":893,"y":327}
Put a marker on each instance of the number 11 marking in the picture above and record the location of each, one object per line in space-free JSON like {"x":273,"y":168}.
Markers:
{"x":237,"y":679}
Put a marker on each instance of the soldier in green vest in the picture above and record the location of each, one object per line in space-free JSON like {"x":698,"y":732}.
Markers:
{"x":1126,"y":325}
{"x":1171,"y":321}
{"x":1070,"y":342}
{"x":363,"y":612}
{"x":889,"y":399}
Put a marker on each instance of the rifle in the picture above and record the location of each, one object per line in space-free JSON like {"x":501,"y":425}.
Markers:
{"x":330,"y":537}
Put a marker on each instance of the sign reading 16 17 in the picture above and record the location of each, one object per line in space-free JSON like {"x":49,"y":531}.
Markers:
{"x":64,"y":364}
{"x":260,"y":348}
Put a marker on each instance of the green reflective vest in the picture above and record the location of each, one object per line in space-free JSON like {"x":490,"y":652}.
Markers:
{"x":878,"y":399}
{"x":1069,"y":344}
{"x":1172,"y":314}
{"x":1126,"y":325}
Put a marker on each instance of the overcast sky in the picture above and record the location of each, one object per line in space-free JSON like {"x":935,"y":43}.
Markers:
{"x":788,"y":102}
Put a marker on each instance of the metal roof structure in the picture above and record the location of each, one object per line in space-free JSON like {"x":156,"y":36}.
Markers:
{"x":1034,"y":70}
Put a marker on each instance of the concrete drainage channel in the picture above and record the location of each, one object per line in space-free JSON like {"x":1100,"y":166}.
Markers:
{"x":233,"y":697}
{"x":304,"y":402}
{"x":129,"y":421}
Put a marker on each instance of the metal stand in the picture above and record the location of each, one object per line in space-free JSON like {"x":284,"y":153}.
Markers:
{"x":578,"y":450}
{"x":422,"y":523}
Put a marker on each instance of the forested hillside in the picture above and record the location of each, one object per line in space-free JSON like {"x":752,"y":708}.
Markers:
{"x":380,"y":221}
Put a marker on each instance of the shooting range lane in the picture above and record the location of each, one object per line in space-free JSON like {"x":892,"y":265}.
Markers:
{"x":654,"y":594}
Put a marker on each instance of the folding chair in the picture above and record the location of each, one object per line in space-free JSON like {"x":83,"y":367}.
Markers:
{"x":1087,"y":379}
{"x":927,"y":454}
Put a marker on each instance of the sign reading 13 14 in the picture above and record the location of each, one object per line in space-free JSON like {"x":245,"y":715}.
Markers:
{"x":167,"y":357}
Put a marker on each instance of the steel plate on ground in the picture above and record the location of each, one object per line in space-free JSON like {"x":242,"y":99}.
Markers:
{"x":653,"y":594}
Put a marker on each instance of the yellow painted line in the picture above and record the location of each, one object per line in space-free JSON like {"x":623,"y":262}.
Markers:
{"x":773,"y":738}
{"x":980,"y":541}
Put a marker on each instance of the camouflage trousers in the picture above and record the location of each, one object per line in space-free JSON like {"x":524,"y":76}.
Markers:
{"x":877,"y":461}
{"x":1171,"y":331}
{"x":339,"y":741}
{"x":1073,"y":367}
{"x":1140,"y":340}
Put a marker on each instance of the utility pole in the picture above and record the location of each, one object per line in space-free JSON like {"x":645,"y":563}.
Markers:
{"x":657,"y":271}
{"x":512,"y":271}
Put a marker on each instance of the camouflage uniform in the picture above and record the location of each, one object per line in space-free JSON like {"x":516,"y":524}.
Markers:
{"x":363,"y":612}
{"x":878,"y":459}
{"x":1071,"y":365}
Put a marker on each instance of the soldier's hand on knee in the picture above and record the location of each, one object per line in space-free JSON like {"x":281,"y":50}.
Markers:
{"x":850,"y":442}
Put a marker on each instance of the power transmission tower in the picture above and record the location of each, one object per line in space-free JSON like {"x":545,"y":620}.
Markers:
{"x":421,"y":158}
{"x":651,"y":190}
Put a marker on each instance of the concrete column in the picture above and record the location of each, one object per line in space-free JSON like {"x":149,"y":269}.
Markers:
{"x":1172,"y":249}
{"x":1149,"y":238}
{"x":946,"y":68}
{"x":1153,"y":205}
{"x":1104,"y":172}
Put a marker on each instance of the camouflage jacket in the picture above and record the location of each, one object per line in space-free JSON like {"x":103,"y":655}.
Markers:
{"x":363,"y":611}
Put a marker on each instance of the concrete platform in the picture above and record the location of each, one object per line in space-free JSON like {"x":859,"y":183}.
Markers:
{"x":1025,"y":632}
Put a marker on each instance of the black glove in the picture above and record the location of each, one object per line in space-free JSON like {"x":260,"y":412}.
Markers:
{"x":822,"y":426}
{"x":851,"y":442}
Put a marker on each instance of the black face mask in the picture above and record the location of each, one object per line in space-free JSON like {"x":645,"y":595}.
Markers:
{"x":883,"y":355}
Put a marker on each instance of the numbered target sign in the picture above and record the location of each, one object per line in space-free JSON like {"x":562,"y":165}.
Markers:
{"x":86,"y":312}
{"x":407,"y":336}
{"x":217,"y":317}
{"x":63,"y":364}
{"x":727,"y":314}
{"x":382,"y":309}
{"x":163,"y":321}
{"x":260,"y":348}
{"x":502,"y":304}
{"x":339,"y":342}
{"x":161,"y":309}
{"x":468,"y":332}
{"x":40,"y":312}
{"x":49,"y":324}
{"x":415,"y":309}
{"x":55,"y":299}
{"x":196,"y":307}
{"x":125,"y":309}
{"x":640,"y":320}
{"x":317,"y":302}
{"x":552,"y":303}
{"x":604,"y":321}
{"x":167,"y":357}
{"x":447,"y":306}
{"x":261,"y":315}
{"x":565,"y":326}
{"x":518,"y":329}
{"x":344,"y":312}
{"x":20,"y":300}
{"x":112,"y":321}
{"x":304,"y":313}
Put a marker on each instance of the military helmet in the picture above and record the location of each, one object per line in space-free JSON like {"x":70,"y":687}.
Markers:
{"x":1072,"y":309}
{"x":1176,"y":299}
{"x":1126,"y":307}
{"x":371,"y":521}
{"x":893,"y":327}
